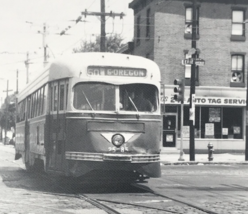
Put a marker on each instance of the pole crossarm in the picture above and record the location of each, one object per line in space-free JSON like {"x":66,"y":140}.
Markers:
{"x":111,"y":14}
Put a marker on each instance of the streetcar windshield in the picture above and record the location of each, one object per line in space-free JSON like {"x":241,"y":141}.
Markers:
{"x":139,"y":97}
{"x":94,"y":96}
{"x":102,"y":97}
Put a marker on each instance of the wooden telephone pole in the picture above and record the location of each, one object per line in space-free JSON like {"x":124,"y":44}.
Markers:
{"x":103,"y":15}
{"x":192,"y":88}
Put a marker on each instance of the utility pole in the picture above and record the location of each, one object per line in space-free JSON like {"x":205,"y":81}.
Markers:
{"x":192,"y":88}
{"x":246,"y":127}
{"x":16,"y":100}
{"x":27,"y":67}
{"x":6,"y":113}
{"x":17,"y":81}
{"x":44,"y":44}
{"x":103,"y":25}
{"x":103,"y":15}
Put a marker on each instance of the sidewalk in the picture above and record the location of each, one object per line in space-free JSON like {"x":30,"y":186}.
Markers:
{"x":225,"y":158}
{"x":172,"y":159}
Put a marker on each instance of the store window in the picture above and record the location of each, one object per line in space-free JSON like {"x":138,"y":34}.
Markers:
{"x":214,"y":122}
{"x":232,"y":123}
{"x":237,"y":73}
{"x":148,"y":23}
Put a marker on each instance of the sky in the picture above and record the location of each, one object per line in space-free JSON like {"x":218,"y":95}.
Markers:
{"x":22,"y":24}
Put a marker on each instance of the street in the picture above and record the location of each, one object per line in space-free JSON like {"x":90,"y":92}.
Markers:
{"x":218,"y":188}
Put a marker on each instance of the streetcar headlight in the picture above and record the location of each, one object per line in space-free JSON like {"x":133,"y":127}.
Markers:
{"x":118,"y":140}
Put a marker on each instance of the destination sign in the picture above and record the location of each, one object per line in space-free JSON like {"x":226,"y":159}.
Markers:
{"x":116,"y":71}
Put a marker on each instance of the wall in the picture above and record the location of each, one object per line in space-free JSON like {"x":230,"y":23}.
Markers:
{"x":214,"y":43}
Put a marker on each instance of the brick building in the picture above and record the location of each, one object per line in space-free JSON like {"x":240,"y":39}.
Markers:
{"x":163,"y":33}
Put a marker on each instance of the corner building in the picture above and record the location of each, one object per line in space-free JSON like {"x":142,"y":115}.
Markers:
{"x":163,"y":33}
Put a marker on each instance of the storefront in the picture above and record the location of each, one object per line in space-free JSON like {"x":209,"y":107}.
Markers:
{"x":219,"y":118}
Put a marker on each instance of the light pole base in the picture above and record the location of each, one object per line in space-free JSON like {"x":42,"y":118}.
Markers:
{"x":181,"y":156}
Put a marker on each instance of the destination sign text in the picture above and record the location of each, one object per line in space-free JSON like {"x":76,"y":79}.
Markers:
{"x":116,"y":71}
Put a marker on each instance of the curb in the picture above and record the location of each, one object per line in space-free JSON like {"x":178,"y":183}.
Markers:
{"x":205,"y":163}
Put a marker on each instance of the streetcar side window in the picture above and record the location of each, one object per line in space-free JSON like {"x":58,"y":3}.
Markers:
{"x":51,"y":99}
{"x":139,"y":97}
{"x":66,"y":95}
{"x":21,"y":111}
{"x":61,"y":96}
{"x":29,"y":107}
{"x":94,"y":96}
{"x":55,"y":98}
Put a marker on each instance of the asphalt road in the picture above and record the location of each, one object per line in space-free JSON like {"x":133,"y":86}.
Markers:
{"x":220,"y":188}
{"x":182,"y":189}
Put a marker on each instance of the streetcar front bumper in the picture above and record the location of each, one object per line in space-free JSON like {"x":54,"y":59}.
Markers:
{"x":82,"y":163}
{"x":102,"y":157}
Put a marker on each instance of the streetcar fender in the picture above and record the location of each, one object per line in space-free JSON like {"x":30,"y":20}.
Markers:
{"x":18,"y":156}
{"x":152,"y":170}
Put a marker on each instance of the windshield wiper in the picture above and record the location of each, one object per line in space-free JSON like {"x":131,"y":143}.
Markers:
{"x":87,"y":101}
{"x":132,"y":101}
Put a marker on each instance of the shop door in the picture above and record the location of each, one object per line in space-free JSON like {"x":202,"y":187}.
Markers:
{"x":169,"y":130}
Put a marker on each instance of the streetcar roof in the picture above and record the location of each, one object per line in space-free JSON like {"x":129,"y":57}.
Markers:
{"x":119,"y":69}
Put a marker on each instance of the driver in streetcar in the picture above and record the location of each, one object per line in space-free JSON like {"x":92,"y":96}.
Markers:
{"x":141,"y":102}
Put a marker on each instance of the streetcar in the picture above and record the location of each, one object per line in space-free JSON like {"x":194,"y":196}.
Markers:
{"x":82,"y":118}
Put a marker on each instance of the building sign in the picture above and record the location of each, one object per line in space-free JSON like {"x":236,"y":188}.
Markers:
{"x":218,"y":101}
{"x":214,"y":115}
{"x":224,"y":131}
{"x":209,"y":129}
{"x":185,"y":131}
{"x":169,"y":138}
{"x":116,"y":71}
{"x":236,"y":130}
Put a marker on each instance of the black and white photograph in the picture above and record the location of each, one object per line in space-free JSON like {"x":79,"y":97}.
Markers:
{"x":123,"y":106}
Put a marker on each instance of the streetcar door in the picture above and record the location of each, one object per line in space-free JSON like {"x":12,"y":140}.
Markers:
{"x":27,"y":142}
{"x":53,"y":124}
{"x":27,"y":132}
{"x":169,"y":130}
{"x":57,"y":124}
{"x":61,"y":126}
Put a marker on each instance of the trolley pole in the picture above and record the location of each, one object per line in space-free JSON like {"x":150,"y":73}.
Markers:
{"x":192,"y":88}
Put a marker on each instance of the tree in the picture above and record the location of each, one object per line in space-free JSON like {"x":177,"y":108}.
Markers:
{"x":8,"y":112}
{"x":113,"y":44}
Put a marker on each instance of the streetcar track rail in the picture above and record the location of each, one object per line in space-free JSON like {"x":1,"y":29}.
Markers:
{"x":96,"y":203}
{"x":177,"y":200}
{"x":138,"y":205}
{"x":99,"y":203}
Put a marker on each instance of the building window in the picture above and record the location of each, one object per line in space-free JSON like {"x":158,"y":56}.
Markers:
{"x":215,"y":122}
{"x":238,"y":25}
{"x":148,"y":23}
{"x":237,"y":74}
{"x":138,"y":31}
{"x":189,"y":23}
